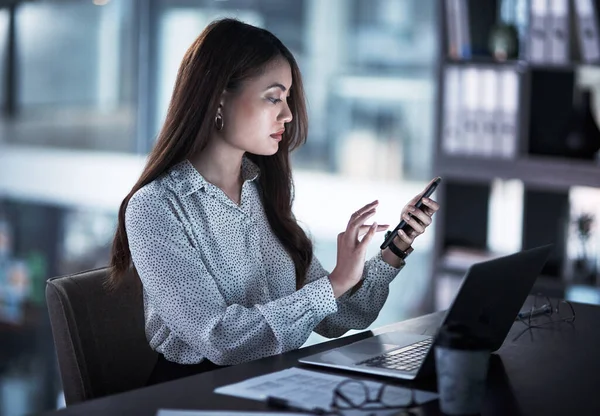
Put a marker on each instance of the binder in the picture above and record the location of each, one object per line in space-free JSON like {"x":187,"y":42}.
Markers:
{"x":587,"y":30}
{"x":489,"y":107}
{"x":452,"y":133}
{"x":538,"y":31}
{"x":464,"y":32}
{"x":459,"y":33}
{"x":508,"y":113}
{"x":466,"y":36}
{"x":452,"y":27}
{"x":480,"y":112}
{"x":471,"y":121}
{"x":558,"y":32}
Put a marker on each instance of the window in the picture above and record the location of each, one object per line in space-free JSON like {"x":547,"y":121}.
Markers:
{"x":75,"y":83}
{"x":3,"y":40}
{"x":351,"y":85}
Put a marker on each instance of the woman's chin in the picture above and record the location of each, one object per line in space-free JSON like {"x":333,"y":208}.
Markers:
{"x":267,"y":151}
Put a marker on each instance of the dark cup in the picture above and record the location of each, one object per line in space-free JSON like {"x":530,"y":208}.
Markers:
{"x":461,"y":359}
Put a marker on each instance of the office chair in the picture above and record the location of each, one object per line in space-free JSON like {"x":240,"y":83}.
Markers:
{"x":98,"y":334}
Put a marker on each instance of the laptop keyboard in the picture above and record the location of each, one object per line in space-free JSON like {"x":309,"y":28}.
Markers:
{"x":407,"y":358}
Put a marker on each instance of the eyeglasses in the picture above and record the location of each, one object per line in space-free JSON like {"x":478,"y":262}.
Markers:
{"x":357,"y":395}
{"x":544,"y":313}
{"x":368,"y":398}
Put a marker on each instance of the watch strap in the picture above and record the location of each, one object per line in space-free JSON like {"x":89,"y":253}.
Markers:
{"x":399,"y":253}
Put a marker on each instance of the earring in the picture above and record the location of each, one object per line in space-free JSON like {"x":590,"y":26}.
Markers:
{"x":219,"y":122}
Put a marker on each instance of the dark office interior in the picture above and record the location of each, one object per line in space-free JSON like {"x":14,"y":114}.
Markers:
{"x":501,"y":98}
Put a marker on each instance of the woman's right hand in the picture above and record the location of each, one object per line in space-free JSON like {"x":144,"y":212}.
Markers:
{"x":351,"y":251}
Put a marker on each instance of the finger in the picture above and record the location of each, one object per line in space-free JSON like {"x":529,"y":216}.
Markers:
{"x":415,"y":225}
{"x":354,"y":226}
{"x":365,"y":228}
{"x":364,"y":209}
{"x":420,"y":215}
{"x":380,"y":227}
{"x":431,"y":204}
{"x":403,"y":237}
{"x":368,"y":236}
{"x":359,"y":220}
{"x":427,"y":210}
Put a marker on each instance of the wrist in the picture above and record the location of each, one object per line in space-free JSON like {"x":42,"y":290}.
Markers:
{"x":399,"y":243}
{"x":338,"y":284}
{"x":391,"y":259}
{"x":397,"y":248}
{"x":402,"y":245}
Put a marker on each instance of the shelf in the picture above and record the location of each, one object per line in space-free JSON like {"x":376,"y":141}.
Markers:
{"x":485,"y":61}
{"x":541,"y":171}
{"x":549,"y":286}
{"x":457,"y":260}
{"x":539,"y":205}
{"x":521,"y":63}
{"x":572,"y":66}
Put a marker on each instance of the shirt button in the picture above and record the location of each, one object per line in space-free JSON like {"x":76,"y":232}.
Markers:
{"x":265,"y":290}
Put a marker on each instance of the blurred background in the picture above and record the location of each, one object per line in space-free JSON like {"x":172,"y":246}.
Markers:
{"x":398,"y":91}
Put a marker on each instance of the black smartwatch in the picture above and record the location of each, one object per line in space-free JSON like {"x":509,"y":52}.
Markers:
{"x":394,"y":249}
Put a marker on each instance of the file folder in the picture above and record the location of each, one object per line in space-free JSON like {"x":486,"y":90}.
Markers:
{"x":558,"y":34}
{"x":459,"y":34}
{"x":508,"y":114}
{"x":489,"y":111}
{"x":538,"y":31}
{"x":464,"y":32}
{"x":471,"y":110}
{"x":452,"y":29}
{"x":452,"y":133}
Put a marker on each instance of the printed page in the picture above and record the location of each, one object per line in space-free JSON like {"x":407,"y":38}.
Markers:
{"x":310,"y":389}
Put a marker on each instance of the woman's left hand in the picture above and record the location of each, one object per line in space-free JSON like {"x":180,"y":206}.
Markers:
{"x":417,"y":219}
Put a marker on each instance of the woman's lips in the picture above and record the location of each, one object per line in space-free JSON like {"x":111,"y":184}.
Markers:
{"x":277,"y":136}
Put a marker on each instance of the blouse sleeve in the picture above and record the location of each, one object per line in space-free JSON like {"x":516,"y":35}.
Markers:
{"x":356,"y":309}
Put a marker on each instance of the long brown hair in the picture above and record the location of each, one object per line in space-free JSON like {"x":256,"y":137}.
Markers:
{"x":226,"y":53}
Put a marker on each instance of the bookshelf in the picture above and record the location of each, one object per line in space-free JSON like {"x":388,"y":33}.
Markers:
{"x":521,"y":119}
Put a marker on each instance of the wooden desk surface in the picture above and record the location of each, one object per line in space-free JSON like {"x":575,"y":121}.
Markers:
{"x":543,"y":372}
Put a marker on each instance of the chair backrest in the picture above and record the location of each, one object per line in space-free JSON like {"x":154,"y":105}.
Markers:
{"x":99,"y":335}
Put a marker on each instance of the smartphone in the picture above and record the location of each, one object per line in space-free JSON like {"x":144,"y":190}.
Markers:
{"x":403,"y":225}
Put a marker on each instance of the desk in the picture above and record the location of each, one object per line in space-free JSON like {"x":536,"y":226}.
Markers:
{"x":544,"y":372}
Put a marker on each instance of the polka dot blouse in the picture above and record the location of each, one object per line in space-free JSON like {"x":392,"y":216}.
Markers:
{"x":218,"y":284}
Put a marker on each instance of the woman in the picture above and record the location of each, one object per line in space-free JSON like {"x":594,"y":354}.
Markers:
{"x":228,"y":275}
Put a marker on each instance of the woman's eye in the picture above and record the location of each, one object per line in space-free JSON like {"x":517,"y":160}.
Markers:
{"x":275,"y":100}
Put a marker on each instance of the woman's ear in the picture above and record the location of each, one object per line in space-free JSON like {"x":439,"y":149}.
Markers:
{"x":223,"y":99}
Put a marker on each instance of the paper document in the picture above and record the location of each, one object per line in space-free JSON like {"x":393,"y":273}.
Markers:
{"x":178,"y":412}
{"x":310,"y":388}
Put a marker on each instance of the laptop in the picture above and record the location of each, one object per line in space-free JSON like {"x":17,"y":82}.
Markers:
{"x":491,"y":295}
